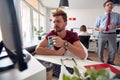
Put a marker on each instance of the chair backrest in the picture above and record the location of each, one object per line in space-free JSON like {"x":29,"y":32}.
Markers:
{"x":85,"y":40}
{"x":31,"y":49}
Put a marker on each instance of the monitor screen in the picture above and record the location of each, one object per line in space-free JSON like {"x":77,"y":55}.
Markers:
{"x":118,"y":31}
{"x":116,"y":2}
{"x":10,"y":31}
{"x":77,"y":30}
{"x":90,"y":31}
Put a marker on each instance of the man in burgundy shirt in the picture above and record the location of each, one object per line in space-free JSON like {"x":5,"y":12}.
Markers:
{"x":63,"y":39}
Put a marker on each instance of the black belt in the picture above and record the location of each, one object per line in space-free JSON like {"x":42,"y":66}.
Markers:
{"x":110,"y":33}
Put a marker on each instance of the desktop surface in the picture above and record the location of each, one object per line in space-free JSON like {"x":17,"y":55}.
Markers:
{"x":69,"y":63}
{"x":35,"y":71}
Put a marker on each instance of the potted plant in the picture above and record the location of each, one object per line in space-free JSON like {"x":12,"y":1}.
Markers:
{"x":40,"y":33}
{"x":92,"y":74}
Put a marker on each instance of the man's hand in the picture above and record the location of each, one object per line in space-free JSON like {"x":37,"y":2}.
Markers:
{"x":111,"y":27}
{"x":58,"y":42}
{"x":101,"y":29}
{"x":61,"y":51}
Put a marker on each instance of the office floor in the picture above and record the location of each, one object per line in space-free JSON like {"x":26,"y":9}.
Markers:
{"x":94,"y":57}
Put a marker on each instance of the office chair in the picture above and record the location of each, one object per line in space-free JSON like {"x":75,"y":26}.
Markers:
{"x":31,"y":49}
{"x":84,"y":40}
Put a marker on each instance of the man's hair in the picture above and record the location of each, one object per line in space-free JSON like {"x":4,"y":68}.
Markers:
{"x":107,"y":2}
{"x":60,"y":12}
{"x":83,"y":28}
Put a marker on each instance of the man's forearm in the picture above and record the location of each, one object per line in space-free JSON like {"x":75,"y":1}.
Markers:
{"x":97,"y":29}
{"x":118,"y":26}
{"x":44,"y":51}
{"x":78,"y":51}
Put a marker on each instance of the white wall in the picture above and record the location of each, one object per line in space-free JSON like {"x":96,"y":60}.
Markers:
{"x":83,"y":16}
{"x":117,"y":9}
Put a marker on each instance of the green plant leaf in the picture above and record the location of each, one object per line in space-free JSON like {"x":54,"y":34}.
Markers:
{"x":102,"y":72}
{"x":92,"y":74}
{"x":75,"y":78}
{"x":102,"y":77}
{"x":76,"y":71}
{"x":65,"y":77}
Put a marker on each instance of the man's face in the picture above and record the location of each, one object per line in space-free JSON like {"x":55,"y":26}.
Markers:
{"x":59,"y":24}
{"x":109,"y":6}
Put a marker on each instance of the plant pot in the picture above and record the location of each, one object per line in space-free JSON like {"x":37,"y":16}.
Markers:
{"x":39,"y":37}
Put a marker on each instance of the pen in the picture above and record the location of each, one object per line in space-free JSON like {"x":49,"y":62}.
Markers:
{"x":74,"y":61}
{"x":61,"y":61}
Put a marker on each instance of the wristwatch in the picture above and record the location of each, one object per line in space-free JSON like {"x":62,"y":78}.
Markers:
{"x":66,"y":45}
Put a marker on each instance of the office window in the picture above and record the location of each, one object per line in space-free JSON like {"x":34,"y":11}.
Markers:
{"x":0,"y":34}
{"x":41,"y":8}
{"x":35,"y":24}
{"x":42,"y":22}
{"x":33,"y":18}
{"x":33,"y":3}
{"x":26,"y":24}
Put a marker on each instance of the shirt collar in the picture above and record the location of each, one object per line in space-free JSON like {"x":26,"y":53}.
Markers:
{"x":106,"y":12}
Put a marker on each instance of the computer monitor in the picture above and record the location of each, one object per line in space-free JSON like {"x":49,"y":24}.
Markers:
{"x":10,"y":31}
{"x":116,"y":2}
{"x":90,"y":31}
{"x":118,"y":31}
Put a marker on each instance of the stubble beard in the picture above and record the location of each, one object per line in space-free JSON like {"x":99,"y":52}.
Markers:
{"x":58,"y":29}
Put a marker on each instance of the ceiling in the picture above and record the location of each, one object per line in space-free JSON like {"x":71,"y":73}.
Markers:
{"x":75,"y":4}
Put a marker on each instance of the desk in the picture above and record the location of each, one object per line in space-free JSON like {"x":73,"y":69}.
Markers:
{"x":35,"y":71}
{"x":93,"y":44}
{"x":69,"y":63}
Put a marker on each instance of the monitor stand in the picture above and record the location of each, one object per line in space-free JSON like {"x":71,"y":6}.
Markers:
{"x":11,"y":55}
{"x":27,"y":57}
